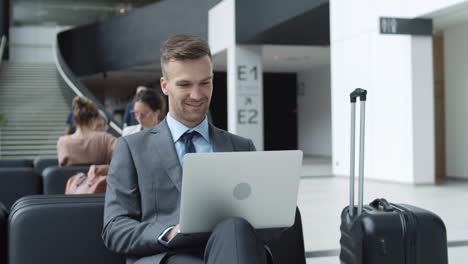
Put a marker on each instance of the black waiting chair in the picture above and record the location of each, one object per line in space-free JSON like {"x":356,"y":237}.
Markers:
{"x":18,"y":182}
{"x":40,"y":164}
{"x":287,"y":246}
{"x":16,"y":163}
{"x":57,"y":229}
{"x":55,"y":178}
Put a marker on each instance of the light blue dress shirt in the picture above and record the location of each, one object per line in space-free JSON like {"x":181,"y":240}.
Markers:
{"x":202,"y":144}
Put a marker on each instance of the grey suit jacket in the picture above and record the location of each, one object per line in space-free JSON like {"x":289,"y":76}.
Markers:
{"x":143,"y":190}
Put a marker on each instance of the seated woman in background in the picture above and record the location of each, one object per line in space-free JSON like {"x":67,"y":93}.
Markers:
{"x":101,"y":122}
{"x":86,"y":145}
{"x":148,"y":106}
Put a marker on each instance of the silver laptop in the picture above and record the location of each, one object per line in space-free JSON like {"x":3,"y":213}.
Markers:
{"x":259,"y":186}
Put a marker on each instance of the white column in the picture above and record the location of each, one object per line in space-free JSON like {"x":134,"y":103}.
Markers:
{"x":244,"y":74}
{"x":245,"y":84}
{"x":397,"y":72}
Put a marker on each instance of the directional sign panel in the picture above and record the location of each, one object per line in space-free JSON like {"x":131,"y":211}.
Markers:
{"x":249,"y":94}
{"x":404,"y":26}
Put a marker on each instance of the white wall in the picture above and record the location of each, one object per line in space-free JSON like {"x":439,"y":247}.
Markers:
{"x":423,"y":109}
{"x":393,"y":72}
{"x":222,"y":37}
{"x":456,"y":98}
{"x":32,"y":43}
{"x":221,"y":26}
{"x":244,"y":119}
{"x":314,"y":111}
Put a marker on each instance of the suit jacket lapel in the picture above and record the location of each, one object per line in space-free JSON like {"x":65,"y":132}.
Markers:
{"x":219,"y":139}
{"x":167,"y":153}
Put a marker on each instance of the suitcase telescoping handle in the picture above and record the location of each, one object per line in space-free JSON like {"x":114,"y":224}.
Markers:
{"x":362,"y":94}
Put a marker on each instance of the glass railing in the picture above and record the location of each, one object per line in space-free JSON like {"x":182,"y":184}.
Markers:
{"x":3,"y":118}
{"x":77,"y":88}
{"x":3,"y":43}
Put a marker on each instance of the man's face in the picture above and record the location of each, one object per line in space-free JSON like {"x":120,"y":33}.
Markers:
{"x":188,"y":84}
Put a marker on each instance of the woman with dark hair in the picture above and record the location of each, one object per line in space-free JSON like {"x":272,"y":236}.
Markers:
{"x":148,"y":106}
{"x":86,"y":145}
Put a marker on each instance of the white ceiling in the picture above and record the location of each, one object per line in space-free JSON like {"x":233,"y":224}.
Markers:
{"x":449,"y":17}
{"x":285,"y":58}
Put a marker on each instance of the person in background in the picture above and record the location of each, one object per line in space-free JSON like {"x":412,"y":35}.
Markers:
{"x":147,"y":107}
{"x":128,"y":118}
{"x":101,"y":122}
{"x":86,"y":145}
{"x":99,"y":125}
{"x":70,"y":127}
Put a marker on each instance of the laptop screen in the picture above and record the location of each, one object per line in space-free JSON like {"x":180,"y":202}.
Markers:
{"x":259,"y":186}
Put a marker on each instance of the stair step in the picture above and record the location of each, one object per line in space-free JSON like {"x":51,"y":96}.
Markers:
{"x":19,"y":153}
{"x":32,"y":100}
{"x":32,"y":103}
{"x":37,"y":116}
{"x":48,"y":156}
{"x":39,"y":90}
{"x":46,"y":67}
{"x":11,"y":110}
{"x":37,"y":87}
{"x":46,"y":124}
{"x":21,"y":86}
{"x":53,"y":101}
{"x":17,"y":85}
{"x":23,"y":128}
{"x":33,"y":142}
{"x":32,"y":97}
{"x":23,"y":124}
{"x":38,"y":113}
{"x":32,"y":118}
{"x":29,"y":137}
{"x":28,"y":147}
{"x":29,"y":133}
{"x":29,"y":69}
{"x":45,"y":108}
{"x":26,"y":76}
{"x":32,"y":93}
{"x":53,"y":111}
{"x":40,"y":116}
{"x":45,"y":120}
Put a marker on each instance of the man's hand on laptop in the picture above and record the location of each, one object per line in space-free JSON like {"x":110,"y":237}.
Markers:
{"x":169,"y":235}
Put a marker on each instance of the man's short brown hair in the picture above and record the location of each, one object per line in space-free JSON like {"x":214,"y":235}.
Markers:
{"x":183,"y":47}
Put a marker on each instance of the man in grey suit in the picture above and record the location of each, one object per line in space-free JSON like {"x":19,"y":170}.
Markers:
{"x":144,"y":181}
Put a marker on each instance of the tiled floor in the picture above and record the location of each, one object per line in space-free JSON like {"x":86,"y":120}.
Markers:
{"x":321,"y":200}
{"x":456,"y":256}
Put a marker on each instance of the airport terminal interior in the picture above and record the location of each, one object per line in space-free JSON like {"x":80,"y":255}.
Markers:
{"x":283,"y":74}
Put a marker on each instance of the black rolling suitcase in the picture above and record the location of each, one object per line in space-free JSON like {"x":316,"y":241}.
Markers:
{"x":382,"y":232}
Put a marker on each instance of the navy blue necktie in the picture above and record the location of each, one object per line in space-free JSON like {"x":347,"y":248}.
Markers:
{"x":188,"y":143}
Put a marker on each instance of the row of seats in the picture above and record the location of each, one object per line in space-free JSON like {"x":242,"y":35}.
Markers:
{"x":39,"y":164}
{"x":57,"y":229}
{"x":43,"y":177}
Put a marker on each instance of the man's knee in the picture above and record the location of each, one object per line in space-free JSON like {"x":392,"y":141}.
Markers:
{"x":233,"y":224}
